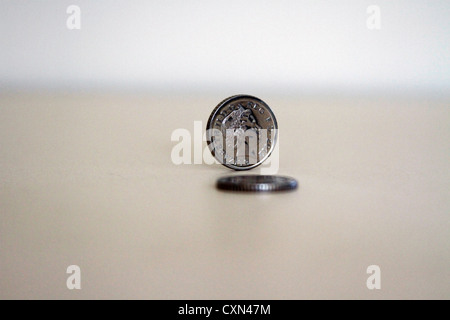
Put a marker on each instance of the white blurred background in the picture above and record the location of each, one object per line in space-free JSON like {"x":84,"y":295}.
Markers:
{"x":199,"y":46}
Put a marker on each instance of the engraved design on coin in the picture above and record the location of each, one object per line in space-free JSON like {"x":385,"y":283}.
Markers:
{"x":239,"y":121}
{"x":242,"y":132}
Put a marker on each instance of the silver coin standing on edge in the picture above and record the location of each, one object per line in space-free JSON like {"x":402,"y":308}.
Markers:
{"x":257,"y":183}
{"x":242,"y":132}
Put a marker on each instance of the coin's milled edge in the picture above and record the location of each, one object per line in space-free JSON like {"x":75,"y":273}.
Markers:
{"x":290,"y":184}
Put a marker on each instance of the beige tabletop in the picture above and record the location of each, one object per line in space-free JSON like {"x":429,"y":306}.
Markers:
{"x":88,"y":180}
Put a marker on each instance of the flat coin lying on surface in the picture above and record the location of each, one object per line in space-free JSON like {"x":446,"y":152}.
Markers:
{"x":257,"y":183}
{"x":241,"y":132}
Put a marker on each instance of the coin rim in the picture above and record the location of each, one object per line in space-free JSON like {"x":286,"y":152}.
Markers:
{"x":215,"y":111}
{"x":290,"y":184}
